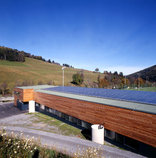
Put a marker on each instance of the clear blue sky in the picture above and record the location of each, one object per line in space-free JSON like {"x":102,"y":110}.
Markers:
{"x":108,"y":34}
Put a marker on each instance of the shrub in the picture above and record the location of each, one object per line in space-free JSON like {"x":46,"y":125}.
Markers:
{"x":14,"y":146}
{"x":78,"y":78}
{"x":90,"y":152}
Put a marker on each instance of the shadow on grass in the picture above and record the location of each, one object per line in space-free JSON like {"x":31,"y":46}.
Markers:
{"x":87,"y":134}
{"x":60,"y":119}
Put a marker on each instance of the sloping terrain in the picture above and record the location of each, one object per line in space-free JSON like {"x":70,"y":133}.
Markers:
{"x":34,"y":71}
{"x":146,"y":74}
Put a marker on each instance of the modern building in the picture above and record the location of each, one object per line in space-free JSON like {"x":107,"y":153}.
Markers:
{"x":129,"y":117}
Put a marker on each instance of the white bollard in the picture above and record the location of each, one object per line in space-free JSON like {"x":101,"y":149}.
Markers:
{"x":31,"y":106}
{"x":98,"y":133}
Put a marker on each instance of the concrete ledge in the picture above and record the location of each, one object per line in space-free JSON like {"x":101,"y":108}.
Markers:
{"x":5,"y":99}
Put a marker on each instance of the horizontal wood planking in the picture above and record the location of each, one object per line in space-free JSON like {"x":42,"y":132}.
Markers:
{"x":137,"y":125}
{"x":28,"y":95}
{"x":24,"y":95}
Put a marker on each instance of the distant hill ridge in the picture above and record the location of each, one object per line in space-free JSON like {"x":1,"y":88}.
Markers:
{"x":148,"y":74}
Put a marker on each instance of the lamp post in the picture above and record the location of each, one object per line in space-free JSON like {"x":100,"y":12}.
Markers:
{"x":125,"y":81}
{"x":63,"y":75}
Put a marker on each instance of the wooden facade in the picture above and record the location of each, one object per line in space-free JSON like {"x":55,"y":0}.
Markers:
{"x":24,"y":95}
{"x":137,"y":125}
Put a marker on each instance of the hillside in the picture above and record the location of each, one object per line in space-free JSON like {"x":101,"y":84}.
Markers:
{"x":146,"y":74}
{"x":34,"y":71}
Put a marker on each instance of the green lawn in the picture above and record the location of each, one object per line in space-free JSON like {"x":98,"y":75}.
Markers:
{"x":152,"y":89}
{"x":60,"y":127}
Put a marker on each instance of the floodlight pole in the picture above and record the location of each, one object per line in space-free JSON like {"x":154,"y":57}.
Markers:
{"x":63,"y":75}
{"x":125,"y":81}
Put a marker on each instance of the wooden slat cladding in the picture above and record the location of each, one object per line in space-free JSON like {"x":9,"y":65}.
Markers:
{"x":24,"y":95}
{"x":28,"y":95}
{"x":137,"y":125}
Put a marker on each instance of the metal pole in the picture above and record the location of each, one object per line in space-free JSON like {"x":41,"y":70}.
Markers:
{"x":125,"y":81}
{"x":63,"y":75}
{"x":63,"y":79}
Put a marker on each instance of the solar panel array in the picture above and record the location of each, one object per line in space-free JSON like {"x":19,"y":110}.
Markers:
{"x":125,"y":95}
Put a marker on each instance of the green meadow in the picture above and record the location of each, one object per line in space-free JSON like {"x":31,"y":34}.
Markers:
{"x":36,"y":71}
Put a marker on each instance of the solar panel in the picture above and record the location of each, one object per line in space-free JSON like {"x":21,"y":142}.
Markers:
{"x":125,"y":95}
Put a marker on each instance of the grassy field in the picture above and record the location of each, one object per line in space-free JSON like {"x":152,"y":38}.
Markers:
{"x":38,"y":71}
{"x":152,"y":89}
{"x":60,"y":127}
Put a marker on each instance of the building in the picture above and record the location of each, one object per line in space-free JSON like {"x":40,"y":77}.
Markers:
{"x":129,"y":117}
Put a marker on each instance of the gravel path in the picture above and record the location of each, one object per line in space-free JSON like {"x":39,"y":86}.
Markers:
{"x":14,"y":120}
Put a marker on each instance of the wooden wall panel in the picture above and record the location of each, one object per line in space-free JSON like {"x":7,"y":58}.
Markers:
{"x":137,"y":125}
{"x":24,"y":95}
{"x":28,"y":94}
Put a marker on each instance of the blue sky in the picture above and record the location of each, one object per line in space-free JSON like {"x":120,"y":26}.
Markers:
{"x":108,"y":34}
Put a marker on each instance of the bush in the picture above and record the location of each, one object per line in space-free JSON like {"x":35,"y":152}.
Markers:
{"x":20,"y":147}
{"x":90,"y":152}
{"x":78,"y":78}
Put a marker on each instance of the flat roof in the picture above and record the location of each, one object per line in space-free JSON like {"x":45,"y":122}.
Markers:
{"x":117,"y":94}
{"x":36,"y":87}
{"x":127,"y":99}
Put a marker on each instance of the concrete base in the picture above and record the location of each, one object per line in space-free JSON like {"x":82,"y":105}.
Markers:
{"x":98,"y":134}
{"x":31,"y":106}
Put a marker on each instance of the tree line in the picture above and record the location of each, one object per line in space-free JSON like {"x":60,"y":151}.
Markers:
{"x":16,"y":55}
{"x":110,"y":80}
{"x":120,"y":82}
{"x":11,"y":54}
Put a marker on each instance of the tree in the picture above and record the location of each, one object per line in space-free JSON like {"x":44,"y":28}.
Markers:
{"x":49,"y":61}
{"x":40,"y":83}
{"x":78,"y":78}
{"x":105,"y":72}
{"x":139,"y":82}
{"x":97,"y":70}
{"x":125,"y":82}
{"x":17,"y":83}
{"x":98,"y":79}
{"x":66,"y":65}
{"x":103,"y":83}
{"x":11,"y":54}
{"x":50,"y":82}
{"x":115,"y":73}
{"x":3,"y":87}
{"x":121,"y":74}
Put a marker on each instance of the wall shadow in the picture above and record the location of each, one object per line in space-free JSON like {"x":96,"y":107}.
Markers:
{"x":8,"y":109}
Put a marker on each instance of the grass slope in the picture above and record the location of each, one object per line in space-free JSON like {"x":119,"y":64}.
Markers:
{"x":36,"y":70}
{"x":152,"y":89}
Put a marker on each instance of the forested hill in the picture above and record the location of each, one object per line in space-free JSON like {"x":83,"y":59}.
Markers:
{"x":10,"y":54}
{"x":16,"y":55}
{"x":148,"y":74}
